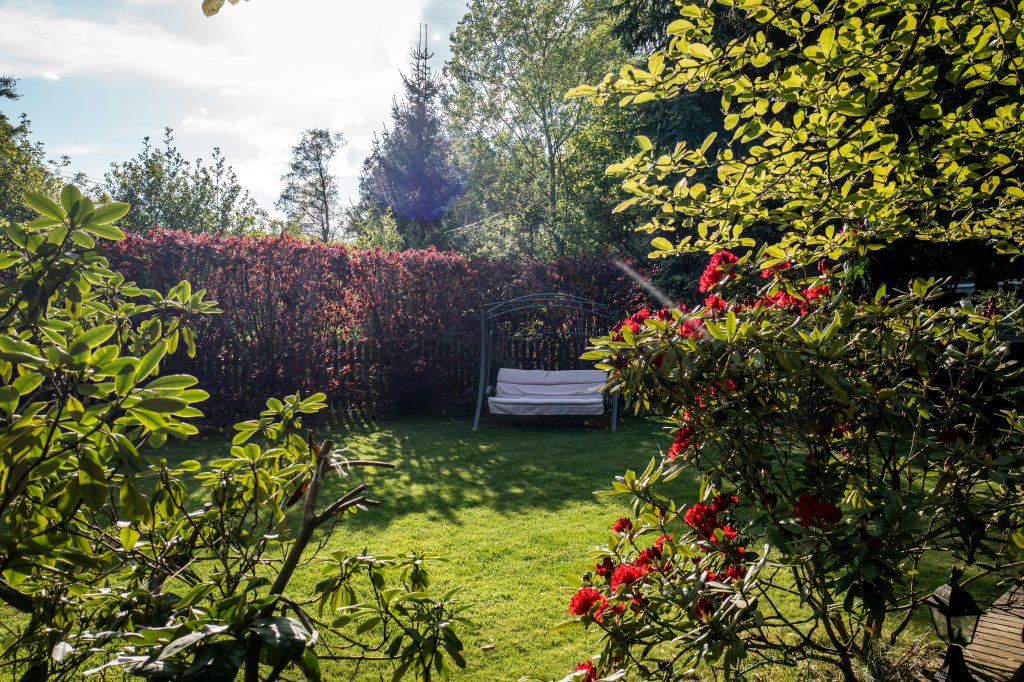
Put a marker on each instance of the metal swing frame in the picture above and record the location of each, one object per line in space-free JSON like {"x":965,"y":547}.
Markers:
{"x":495,"y":311}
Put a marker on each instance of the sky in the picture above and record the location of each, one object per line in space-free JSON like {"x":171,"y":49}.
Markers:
{"x":97,"y":76}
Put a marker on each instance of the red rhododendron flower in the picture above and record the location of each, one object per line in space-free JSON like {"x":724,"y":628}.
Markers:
{"x":626,"y":574}
{"x":583,"y":601}
{"x":717,"y":270}
{"x":814,"y":293}
{"x":682,"y":440}
{"x":623,"y":525}
{"x":588,"y":670}
{"x":814,"y":511}
{"x":735,"y":571}
{"x":702,"y":519}
{"x":648,"y":559}
{"x":605,"y":567}
{"x":691,"y":327}
{"x":714,"y":303}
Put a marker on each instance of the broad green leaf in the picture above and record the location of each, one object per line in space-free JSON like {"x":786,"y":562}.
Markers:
{"x":108,"y":213}
{"x":44,"y":205}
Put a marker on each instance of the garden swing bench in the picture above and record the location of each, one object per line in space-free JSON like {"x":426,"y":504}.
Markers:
{"x":525,"y":338}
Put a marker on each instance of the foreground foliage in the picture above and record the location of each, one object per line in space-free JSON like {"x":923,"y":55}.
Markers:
{"x":841,"y":434}
{"x":173,"y":571}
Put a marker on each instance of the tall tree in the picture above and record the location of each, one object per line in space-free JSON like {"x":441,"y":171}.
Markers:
{"x":167,"y":190}
{"x":22,"y":162}
{"x":310,"y":196}
{"x":511,"y":66}
{"x":409,"y":169}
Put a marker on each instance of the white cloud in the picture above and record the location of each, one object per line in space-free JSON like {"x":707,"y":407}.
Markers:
{"x":265,"y":71}
{"x":77,"y":149}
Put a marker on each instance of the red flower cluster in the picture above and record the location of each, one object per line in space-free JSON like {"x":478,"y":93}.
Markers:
{"x":717,"y":270}
{"x":814,"y":511}
{"x":626,"y":574}
{"x":714,"y":303}
{"x":683,"y":440}
{"x":814,"y":293}
{"x":623,"y":525}
{"x":584,"y":600}
{"x":634,"y":322}
{"x":704,"y":607}
{"x":588,"y":670}
{"x":691,"y":327}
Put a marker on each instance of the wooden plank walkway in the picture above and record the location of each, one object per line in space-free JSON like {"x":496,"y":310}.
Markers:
{"x":997,"y":652}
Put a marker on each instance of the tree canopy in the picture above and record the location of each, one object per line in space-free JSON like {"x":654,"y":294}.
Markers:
{"x":310,"y":195}
{"x":167,"y":190}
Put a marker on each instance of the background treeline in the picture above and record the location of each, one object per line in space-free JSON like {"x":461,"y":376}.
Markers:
{"x":484,"y":155}
{"x":375,"y":330}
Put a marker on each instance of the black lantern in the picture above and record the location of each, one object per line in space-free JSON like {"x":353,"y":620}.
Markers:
{"x":955,"y":615}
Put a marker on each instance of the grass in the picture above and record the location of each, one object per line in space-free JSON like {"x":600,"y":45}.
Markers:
{"x":510,"y":507}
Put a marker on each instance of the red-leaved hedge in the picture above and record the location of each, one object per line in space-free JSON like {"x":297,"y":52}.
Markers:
{"x":375,"y":330}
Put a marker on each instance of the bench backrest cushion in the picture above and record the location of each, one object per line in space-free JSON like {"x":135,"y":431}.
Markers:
{"x":543,"y":384}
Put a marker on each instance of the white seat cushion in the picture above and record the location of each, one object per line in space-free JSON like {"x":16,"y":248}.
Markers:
{"x":528,"y":392}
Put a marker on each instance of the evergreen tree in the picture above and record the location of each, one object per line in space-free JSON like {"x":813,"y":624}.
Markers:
{"x":408,"y":170}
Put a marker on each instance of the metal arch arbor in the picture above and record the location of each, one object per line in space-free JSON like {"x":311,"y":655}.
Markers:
{"x":494,"y":312}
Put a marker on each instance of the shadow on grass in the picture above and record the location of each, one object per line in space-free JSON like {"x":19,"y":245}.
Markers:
{"x":443,"y":466}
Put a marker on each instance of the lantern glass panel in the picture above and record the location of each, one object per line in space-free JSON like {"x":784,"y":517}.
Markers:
{"x":941,"y":624}
{"x":961,"y":629}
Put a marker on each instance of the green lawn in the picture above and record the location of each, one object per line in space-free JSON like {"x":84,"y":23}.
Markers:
{"x":512,"y":510}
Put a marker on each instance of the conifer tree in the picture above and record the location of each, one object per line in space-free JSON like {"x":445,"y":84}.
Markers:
{"x":408,"y":170}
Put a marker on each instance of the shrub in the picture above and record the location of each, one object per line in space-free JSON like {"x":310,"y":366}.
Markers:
{"x":374,"y":329}
{"x":842,"y":436}
{"x":118,"y":557}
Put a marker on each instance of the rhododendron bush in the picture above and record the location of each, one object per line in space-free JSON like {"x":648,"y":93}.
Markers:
{"x":373,"y":329}
{"x":846,"y":437}
{"x":115,"y":558}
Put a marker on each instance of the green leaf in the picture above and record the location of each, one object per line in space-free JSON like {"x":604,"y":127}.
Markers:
{"x":105,"y":231}
{"x":109,"y":213}
{"x":92,"y":338}
{"x":92,"y":480}
{"x":27,"y":383}
{"x":287,"y":635}
{"x":216,"y":662}
{"x":134,"y":504}
{"x":69,"y":196}
{"x":129,"y":537}
{"x":149,"y":362}
{"x":309,"y":664}
{"x":44,"y":206}
{"x":185,"y":641}
{"x":162,"y":405}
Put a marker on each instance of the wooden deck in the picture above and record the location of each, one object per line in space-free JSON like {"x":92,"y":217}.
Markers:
{"x":997,"y":652}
